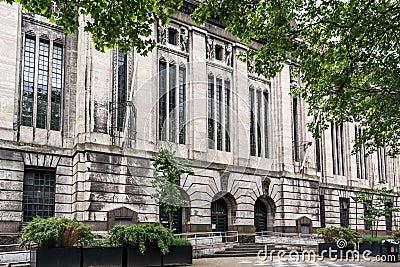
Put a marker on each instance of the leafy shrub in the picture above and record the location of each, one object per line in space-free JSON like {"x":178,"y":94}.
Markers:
{"x":332,"y":234}
{"x":53,"y":232}
{"x":141,"y":235}
{"x":396,"y":235}
{"x":371,"y":240}
{"x":180,"y":242}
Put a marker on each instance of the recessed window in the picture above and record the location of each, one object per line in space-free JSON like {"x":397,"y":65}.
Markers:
{"x":344,"y":211}
{"x":218,"y":52}
{"x":171,"y":103}
{"x":123,"y":221}
{"x":259,"y":137}
{"x":38,"y":194}
{"x":48,"y":66}
{"x":172,"y":36}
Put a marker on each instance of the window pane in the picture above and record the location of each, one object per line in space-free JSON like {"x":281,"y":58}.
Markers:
{"x":210,"y":122}
{"x":43,"y":79}
{"x":162,"y":100}
{"x":252,"y":115}
{"x":259,"y":138}
{"x":172,"y":103}
{"x":219,"y":114}
{"x":182,"y":99}
{"x":266,"y":121}
{"x":56,"y":87}
{"x":227,"y":116}
{"x":28,"y":81}
{"x":122,"y":88}
{"x":296,"y":143}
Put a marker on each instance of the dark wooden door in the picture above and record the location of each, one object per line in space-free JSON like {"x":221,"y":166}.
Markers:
{"x":260,"y":216}
{"x":177,"y":220}
{"x":219,"y":216}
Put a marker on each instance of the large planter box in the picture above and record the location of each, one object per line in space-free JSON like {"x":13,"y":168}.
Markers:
{"x":56,"y":257}
{"x":110,"y":257}
{"x":332,"y":250}
{"x":375,"y":248}
{"x":151,"y":257}
{"x":178,"y":255}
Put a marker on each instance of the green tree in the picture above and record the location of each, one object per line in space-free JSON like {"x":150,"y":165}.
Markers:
{"x":122,"y":23}
{"x":167,"y":173}
{"x":347,"y":51}
{"x":378,"y":204}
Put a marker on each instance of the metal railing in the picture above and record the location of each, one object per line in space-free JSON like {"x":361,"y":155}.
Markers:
{"x":210,"y":239}
{"x":268,"y":237}
{"x":210,"y":242}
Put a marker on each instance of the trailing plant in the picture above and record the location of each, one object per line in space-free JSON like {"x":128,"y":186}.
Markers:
{"x":167,"y":173}
{"x":141,"y":235}
{"x":378,"y":205}
{"x":180,"y":242}
{"x":332,"y":234}
{"x":373,"y":239}
{"x":53,"y":232}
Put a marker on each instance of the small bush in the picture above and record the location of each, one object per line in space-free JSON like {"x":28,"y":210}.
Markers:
{"x":396,"y":235}
{"x":53,"y":232}
{"x":179,"y":242}
{"x":141,"y":235}
{"x":332,"y":234}
{"x":371,"y":240}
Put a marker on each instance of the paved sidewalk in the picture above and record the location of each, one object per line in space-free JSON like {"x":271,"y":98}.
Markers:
{"x":253,"y":261}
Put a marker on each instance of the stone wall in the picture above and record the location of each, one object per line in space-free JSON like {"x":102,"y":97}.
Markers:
{"x":99,"y":181}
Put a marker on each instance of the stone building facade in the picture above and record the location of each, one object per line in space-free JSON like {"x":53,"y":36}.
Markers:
{"x":79,"y":129}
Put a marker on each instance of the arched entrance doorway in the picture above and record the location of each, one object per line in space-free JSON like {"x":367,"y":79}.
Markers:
{"x":264,"y":214}
{"x":260,"y":216}
{"x":219,"y":216}
{"x":177,"y":217}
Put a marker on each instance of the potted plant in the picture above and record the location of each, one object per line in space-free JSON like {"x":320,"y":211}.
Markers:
{"x":338,"y":240}
{"x":144,"y":244}
{"x":55,"y":239}
{"x":180,"y":253}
